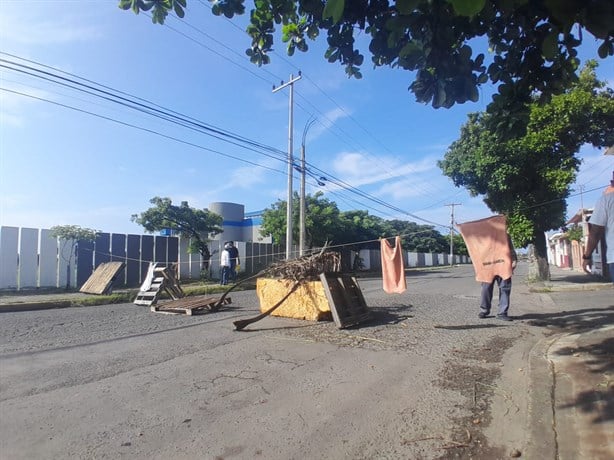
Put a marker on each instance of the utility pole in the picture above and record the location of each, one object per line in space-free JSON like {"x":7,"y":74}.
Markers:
{"x":451,"y":205}
{"x":290,"y":161}
{"x":301,"y":238}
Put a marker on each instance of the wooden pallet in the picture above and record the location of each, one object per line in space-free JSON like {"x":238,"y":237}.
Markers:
{"x":101,"y":280}
{"x":158,"y":279}
{"x":190,"y":306}
{"x":347,"y":304}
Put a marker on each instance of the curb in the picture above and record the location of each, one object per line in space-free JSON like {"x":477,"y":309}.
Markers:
{"x":541,"y":438}
{"x":32,"y":306}
{"x":553,"y":287}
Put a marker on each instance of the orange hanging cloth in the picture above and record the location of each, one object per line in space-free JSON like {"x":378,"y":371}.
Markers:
{"x":489,"y":248}
{"x":393,"y":269}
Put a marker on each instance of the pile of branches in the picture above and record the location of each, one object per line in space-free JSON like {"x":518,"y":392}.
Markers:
{"x":307,"y":268}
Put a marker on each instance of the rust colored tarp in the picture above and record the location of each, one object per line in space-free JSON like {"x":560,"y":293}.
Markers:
{"x":488,"y":245}
{"x":393,"y":269}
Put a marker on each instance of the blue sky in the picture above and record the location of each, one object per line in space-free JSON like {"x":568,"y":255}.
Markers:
{"x":61,"y":166}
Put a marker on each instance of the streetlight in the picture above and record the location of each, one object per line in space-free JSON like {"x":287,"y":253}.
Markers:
{"x":301,"y":238}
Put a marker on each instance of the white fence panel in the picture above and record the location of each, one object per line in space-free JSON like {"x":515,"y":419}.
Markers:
{"x":28,"y":258}
{"x":412,"y":259}
{"x":9,"y":259}
{"x":365,"y":255}
{"x":184,"y":259}
{"x":48,"y":260}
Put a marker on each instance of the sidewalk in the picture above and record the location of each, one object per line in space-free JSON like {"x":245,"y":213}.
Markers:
{"x":571,"y":397}
{"x":36,"y":300}
{"x":565,"y":279}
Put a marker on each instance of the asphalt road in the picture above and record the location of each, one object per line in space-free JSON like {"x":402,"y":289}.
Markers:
{"x":118,"y":381}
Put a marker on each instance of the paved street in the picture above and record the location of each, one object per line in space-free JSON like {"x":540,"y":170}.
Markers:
{"x":424,"y":379}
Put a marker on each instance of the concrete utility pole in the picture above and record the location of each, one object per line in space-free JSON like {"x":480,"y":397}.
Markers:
{"x":451,"y":205}
{"x":582,"y":203}
{"x":290,"y":161}
{"x":301,"y":238}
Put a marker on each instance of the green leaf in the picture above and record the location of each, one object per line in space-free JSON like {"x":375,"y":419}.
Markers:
{"x":125,"y":4}
{"x":467,"y":7}
{"x":178,"y":9}
{"x":474,"y":96}
{"x":334,"y":10}
{"x":440,"y":97}
{"x":605,"y":49}
{"x":550,"y":47}
{"x":406,"y":6}
{"x":410,"y":48}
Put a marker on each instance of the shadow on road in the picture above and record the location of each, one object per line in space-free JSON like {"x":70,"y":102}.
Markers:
{"x":572,"y":321}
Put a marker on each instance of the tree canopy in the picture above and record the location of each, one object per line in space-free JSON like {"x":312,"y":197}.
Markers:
{"x":322,"y":220}
{"x":528,"y":177}
{"x":532,"y":44}
{"x":197,"y":224}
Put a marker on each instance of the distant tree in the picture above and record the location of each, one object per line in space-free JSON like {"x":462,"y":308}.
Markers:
{"x":197,"y":224}
{"x":361,"y":230}
{"x":354,"y":230}
{"x":69,"y":236}
{"x":532,"y":44}
{"x":417,"y":238}
{"x":460,"y":247}
{"x":528,"y":177}
{"x":322,"y":220}
{"x":575,"y":233}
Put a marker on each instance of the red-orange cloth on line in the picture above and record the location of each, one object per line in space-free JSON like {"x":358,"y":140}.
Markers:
{"x":488,"y":245}
{"x":393,"y":269}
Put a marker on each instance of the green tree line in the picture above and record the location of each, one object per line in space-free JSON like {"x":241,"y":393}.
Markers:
{"x":325,"y":223}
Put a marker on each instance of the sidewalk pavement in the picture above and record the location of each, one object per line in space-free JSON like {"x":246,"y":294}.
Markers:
{"x":571,"y":373}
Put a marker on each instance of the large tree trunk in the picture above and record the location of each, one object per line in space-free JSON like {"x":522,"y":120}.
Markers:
{"x":539,"y":270}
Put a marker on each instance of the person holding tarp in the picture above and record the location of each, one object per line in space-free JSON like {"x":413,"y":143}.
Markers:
{"x":494,"y":260}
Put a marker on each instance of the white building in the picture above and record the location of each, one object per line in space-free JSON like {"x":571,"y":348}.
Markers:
{"x":239,"y":225}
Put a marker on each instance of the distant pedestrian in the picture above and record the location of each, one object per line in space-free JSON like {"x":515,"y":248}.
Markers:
{"x":225,"y":265}
{"x":601,"y":222}
{"x":234,"y":260}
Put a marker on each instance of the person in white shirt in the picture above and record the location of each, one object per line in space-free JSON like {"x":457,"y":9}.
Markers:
{"x":601,"y":223}
{"x":225,"y":264}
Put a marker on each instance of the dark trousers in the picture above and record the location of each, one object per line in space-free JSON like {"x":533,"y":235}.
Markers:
{"x":226,"y":274}
{"x":505,"y":290}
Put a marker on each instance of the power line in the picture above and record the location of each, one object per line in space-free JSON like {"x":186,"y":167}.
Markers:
{"x":131,"y":125}
{"x":108,"y":94}
{"x":361,"y":147}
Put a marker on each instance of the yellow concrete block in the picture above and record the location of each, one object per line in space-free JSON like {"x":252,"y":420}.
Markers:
{"x":307,"y":302}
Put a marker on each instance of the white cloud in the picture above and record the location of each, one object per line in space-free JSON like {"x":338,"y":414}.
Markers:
{"x":360,"y":169}
{"x":9,"y":119}
{"x":24,"y":23}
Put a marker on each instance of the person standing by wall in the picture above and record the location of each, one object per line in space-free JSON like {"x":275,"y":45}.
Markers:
{"x":225,"y":265}
{"x":601,"y":223}
{"x":234,"y":260}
